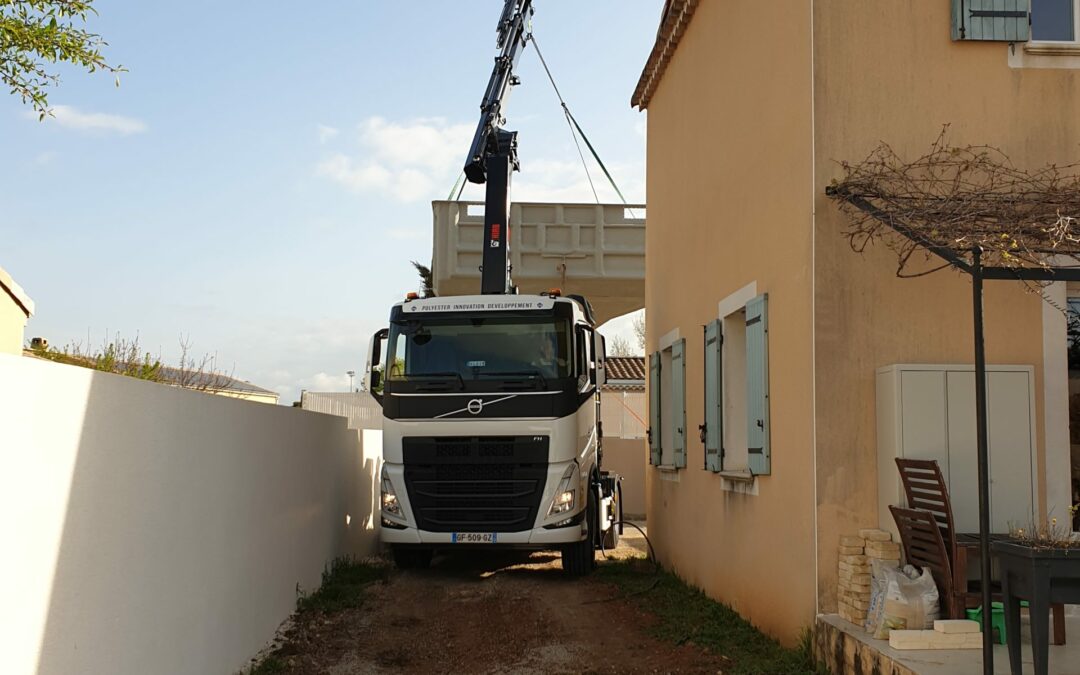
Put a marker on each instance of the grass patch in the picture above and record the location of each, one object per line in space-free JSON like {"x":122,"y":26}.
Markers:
{"x":343,"y":585}
{"x":686,"y":614}
{"x":270,"y":665}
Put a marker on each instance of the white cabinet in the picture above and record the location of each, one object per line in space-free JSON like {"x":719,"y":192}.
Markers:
{"x":928,"y":412}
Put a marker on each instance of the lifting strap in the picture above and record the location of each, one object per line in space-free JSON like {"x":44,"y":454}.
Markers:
{"x":573,"y":123}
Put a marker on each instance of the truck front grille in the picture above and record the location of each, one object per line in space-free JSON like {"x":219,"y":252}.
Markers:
{"x":475,"y":483}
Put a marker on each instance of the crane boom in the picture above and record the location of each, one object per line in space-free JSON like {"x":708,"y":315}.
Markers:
{"x":493,"y":153}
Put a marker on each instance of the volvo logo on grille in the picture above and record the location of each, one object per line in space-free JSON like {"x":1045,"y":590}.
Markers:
{"x":475,"y":406}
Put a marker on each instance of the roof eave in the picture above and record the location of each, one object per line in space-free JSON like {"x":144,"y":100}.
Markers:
{"x":673,"y":23}
{"x":17,"y":293}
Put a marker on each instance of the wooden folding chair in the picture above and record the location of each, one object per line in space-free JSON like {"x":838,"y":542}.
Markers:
{"x":925,"y":489}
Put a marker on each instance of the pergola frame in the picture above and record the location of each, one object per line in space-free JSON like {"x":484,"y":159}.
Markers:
{"x":1045,"y":273}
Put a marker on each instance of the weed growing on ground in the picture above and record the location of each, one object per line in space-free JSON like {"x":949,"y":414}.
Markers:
{"x":685,"y":614}
{"x":343,"y":584}
{"x":270,"y":665}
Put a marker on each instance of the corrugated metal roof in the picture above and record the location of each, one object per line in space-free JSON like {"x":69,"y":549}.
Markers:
{"x":214,"y":381}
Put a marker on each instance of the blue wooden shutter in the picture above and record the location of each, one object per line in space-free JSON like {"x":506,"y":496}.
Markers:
{"x":654,"y":408}
{"x":714,"y":419}
{"x":757,"y":385}
{"x":995,"y":20}
{"x":678,"y":400}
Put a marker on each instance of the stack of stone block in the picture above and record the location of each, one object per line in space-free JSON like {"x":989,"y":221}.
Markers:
{"x":856,"y":552}
{"x":947,"y":634}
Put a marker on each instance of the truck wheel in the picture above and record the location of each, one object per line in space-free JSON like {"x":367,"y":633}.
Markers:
{"x":579,"y":558}
{"x":412,"y":558}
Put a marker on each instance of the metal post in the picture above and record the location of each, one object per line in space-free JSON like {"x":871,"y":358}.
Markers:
{"x":984,"y":464}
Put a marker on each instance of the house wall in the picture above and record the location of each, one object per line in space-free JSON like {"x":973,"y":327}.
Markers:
{"x":890,"y":72}
{"x":12,"y":325}
{"x":729,"y":195}
{"x":155,"y":529}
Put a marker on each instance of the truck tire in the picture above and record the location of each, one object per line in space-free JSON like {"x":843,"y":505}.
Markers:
{"x":412,"y":558}
{"x":611,"y":535}
{"x":579,"y":558}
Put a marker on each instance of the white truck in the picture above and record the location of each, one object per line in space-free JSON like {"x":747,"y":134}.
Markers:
{"x":491,"y":425}
{"x":491,"y":430}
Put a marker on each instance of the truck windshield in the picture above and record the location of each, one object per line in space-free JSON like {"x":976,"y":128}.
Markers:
{"x":479,"y":347}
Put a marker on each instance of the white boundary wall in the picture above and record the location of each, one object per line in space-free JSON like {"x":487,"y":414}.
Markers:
{"x":149,"y":529}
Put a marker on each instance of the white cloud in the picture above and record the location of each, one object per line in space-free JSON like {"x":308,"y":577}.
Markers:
{"x":411,"y":161}
{"x":326,"y":133}
{"x":326,"y":382}
{"x":73,"y":118}
{"x":547,"y":180}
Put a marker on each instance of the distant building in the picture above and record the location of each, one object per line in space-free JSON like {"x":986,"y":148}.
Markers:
{"x":623,"y":414}
{"x":15,"y":308}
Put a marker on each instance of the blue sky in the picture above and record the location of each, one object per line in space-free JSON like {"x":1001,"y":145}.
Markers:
{"x":262,"y":177}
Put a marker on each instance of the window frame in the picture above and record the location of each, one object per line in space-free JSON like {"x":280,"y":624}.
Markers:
{"x":667,"y":404}
{"x":1032,"y":40}
{"x":733,"y":356}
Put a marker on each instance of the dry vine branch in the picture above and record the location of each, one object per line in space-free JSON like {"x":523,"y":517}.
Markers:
{"x":962,"y":198}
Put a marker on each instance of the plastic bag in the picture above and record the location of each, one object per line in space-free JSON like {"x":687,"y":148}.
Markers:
{"x":910,"y":601}
{"x":878,"y":582}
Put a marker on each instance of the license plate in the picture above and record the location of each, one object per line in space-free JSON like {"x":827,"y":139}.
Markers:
{"x":473,"y":537}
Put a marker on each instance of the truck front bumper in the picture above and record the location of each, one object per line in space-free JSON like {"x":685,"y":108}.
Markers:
{"x":537,"y":538}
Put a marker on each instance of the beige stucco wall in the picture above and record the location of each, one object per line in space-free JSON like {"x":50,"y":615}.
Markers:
{"x":729,"y":195}
{"x":745,"y":130}
{"x":889,"y":72}
{"x":12,"y":325}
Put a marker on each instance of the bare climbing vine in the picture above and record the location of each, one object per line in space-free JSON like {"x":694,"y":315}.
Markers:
{"x":960,"y":199}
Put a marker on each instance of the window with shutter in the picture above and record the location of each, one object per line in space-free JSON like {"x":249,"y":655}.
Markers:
{"x":678,"y":401}
{"x":993,"y":20}
{"x":654,"y":409}
{"x":712,"y":431}
{"x":757,"y":386}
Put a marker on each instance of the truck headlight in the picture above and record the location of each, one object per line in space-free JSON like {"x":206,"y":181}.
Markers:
{"x":389,"y":498}
{"x":565,"y":494}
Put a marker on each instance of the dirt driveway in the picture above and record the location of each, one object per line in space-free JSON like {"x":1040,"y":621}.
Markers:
{"x":472,"y":613}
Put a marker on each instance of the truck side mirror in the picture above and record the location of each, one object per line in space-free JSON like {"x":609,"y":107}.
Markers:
{"x":600,"y":358}
{"x":373,"y":380}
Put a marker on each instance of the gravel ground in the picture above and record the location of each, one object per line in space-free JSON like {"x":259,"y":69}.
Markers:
{"x":477,"y":612}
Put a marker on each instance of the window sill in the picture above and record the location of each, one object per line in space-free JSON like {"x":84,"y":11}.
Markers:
{"x":1052,"y":48}
{"x":737,"y":476}
{"x":1051,"y":55}
{"x":667,"y":468}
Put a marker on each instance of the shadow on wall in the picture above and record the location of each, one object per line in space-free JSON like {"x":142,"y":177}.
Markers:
{"x":166,"y":530}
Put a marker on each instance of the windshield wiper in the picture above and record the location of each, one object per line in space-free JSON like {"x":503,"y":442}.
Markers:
{"x":533,"y":374}
{"x":437,"y":376}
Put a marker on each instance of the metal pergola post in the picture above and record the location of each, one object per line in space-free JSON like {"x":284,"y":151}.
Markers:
{"x":984,"y":459}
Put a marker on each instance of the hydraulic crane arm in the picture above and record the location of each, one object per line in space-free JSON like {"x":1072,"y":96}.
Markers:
{"x":493,"y":153}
